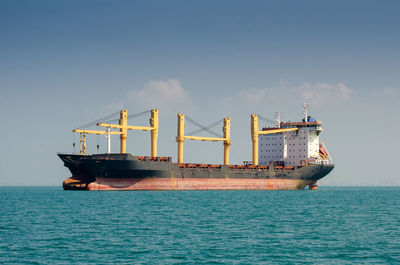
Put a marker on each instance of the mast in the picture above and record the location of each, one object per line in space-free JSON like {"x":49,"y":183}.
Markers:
{"x":305,"y":106}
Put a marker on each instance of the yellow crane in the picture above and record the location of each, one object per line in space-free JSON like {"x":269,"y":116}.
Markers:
{"x":82,"y":142}
{"x":124,"y":127}
{"x":255,"y":132}
{"x":181,"y":138}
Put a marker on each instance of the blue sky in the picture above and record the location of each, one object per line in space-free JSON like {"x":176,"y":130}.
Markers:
{"x":66,"y":63}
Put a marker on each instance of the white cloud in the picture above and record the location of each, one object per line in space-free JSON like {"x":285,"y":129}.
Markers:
{"x":321,"y":93}
{"x":160,"y":93}
{"x":252,"y":96}
{"x":285,"y":95}
{"x":168,"y":95}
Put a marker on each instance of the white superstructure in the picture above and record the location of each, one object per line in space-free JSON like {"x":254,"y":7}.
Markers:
{"x":294,"y":148}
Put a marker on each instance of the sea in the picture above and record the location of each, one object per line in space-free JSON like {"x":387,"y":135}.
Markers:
{"x":332,"y":225}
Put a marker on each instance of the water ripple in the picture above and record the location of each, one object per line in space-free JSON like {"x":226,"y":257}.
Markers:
{"x":329,"y":226}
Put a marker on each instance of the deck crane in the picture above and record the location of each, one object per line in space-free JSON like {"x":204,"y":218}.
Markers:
{"x":123,"y":132}
{"x":124,"y":127}
{"x":181,"y":137}
{"x":82,"y":142}
{"x":255,"y":132}
{"x":83,"y":131}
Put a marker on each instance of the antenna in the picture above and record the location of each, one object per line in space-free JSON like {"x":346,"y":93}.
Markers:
{"x":278,"y":119}
{"x":305,"y":106}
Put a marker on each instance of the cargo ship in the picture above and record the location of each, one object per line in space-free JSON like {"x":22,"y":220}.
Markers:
{"x":287,"y":156}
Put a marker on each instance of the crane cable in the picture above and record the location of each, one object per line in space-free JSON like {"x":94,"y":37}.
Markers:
{"x":130,"y":116}
{"x":97,"y":121}
{"x":138,"y":114}
{"x":203,"y":128}
{"x":111,"y":116}
{"x":265,"y":119}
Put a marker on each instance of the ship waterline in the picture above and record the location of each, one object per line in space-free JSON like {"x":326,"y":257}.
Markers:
{"x":198,"y":184}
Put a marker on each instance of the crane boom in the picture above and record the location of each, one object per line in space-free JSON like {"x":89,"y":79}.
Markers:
{"x":94,"y":132}
{"x":129,"y":127}
{"x":278,"y":131}
{"x":201,"y":138}
{"x":83,"y":133}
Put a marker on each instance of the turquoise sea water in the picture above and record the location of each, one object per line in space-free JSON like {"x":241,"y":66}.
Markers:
{"x":46,"y":225}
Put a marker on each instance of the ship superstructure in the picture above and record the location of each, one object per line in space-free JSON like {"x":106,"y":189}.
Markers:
{"x":293,"y":148}
{"x":290,"y":157}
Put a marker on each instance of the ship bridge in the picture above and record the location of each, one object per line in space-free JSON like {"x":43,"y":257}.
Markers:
{"x":311,"y":124}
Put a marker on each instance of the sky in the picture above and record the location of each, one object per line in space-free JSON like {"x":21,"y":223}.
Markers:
{"x":67,"y":63}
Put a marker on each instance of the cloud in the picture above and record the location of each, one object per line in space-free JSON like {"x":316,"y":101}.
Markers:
{"x":321,"y":93}
{"x":285,"y":95}
{"x":167,"y":95}
{"x":171,"y":97}
{"x":252,"y":96}
{"x":157,"y":93}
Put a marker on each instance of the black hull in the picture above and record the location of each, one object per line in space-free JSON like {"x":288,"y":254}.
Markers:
{"x":116,"y":168}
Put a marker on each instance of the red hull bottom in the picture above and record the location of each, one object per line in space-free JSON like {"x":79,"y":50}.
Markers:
{"x":197,"y":184}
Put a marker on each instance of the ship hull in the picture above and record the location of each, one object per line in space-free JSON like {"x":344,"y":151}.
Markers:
{"x":127,"y":172}
{"x":197,"y":184}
